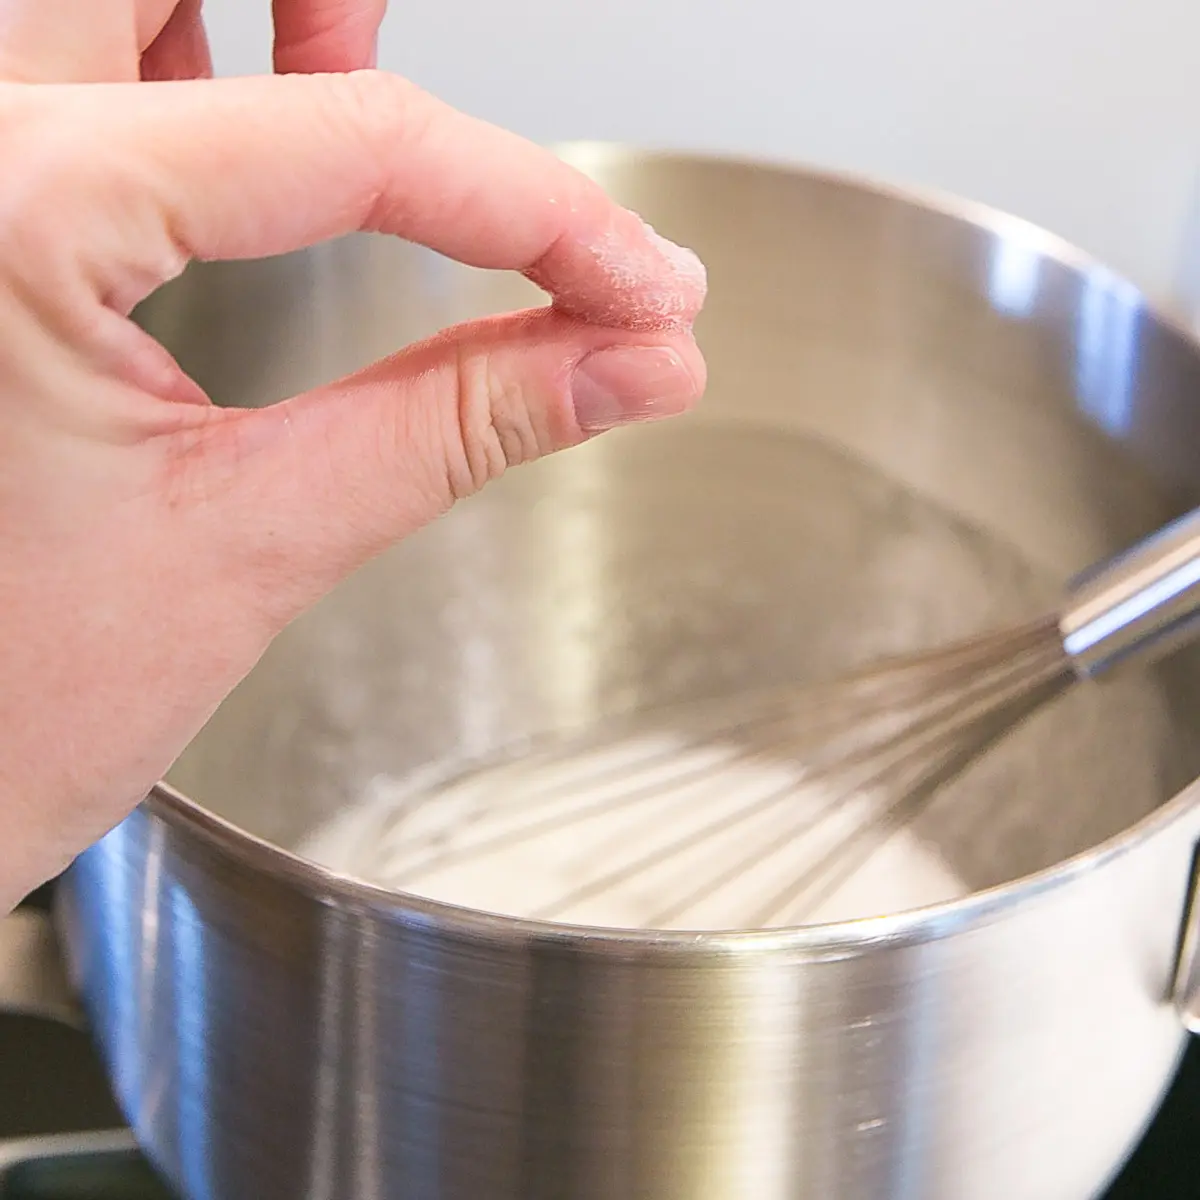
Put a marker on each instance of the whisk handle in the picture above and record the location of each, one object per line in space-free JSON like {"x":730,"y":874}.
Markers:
{"x":1143,"y":603}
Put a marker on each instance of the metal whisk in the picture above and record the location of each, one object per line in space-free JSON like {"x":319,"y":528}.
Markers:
{"x":759,"y":807}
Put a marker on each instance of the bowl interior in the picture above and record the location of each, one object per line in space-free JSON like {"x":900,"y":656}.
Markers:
{"x":919,"y":426}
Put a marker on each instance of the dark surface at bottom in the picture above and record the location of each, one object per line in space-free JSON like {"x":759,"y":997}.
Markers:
{"x":116,"y":1176}
{"x":1166,"y":1165}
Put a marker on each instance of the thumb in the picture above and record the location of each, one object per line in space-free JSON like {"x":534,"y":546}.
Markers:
{"x":301,"y":493}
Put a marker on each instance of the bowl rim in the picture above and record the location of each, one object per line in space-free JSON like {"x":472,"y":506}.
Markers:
{"x":841,"y":938}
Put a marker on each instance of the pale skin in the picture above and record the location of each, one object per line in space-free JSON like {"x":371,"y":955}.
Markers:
{"x":151,"y":543}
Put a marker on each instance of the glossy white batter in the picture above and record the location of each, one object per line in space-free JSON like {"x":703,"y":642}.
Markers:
{"x":731,"y":839}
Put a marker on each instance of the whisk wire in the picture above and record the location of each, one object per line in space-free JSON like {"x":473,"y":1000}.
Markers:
{"x":838,"y":768}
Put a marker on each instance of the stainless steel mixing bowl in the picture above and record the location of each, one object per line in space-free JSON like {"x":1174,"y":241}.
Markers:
{"x":923,"y":418}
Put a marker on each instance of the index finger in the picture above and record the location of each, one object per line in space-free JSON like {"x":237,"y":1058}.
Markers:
{"x":244,"y":168}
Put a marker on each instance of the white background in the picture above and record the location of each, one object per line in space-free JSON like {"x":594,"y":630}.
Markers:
{"x":1081,"y":115}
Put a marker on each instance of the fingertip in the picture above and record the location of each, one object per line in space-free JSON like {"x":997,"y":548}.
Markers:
{"x":686,"y":272}
{"x":689,"y":350}
{"x":624,"y":275}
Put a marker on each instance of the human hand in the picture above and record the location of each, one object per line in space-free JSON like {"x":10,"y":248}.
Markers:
{"x":152,"y":544}
{"x":120,"y":41}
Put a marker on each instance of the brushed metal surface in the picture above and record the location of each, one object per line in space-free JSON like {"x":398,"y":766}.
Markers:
{"x":921,"y":421}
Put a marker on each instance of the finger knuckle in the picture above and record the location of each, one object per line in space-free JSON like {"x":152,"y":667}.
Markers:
{"x":388,"y":118}
{"x":496,"y":426}
{"x":382,"y":103}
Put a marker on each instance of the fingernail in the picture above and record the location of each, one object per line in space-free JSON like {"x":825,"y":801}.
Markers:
{"x":624,"y":384}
